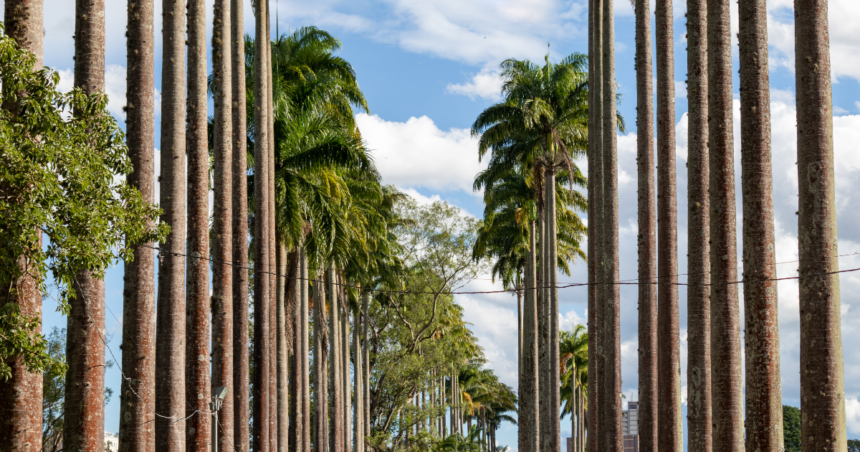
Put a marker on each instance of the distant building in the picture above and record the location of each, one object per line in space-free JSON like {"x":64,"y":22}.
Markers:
{"x":630,"y":427}
{"x":111,"y":442}
{"x":570,"y":445}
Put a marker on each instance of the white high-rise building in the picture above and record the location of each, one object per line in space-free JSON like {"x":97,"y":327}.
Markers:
{"x":630,"y":419}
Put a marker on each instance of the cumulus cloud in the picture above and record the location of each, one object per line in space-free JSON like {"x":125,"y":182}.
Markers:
{"x":115,"y":89}
{"x":486,"y":84}
{"x":417,"y":154}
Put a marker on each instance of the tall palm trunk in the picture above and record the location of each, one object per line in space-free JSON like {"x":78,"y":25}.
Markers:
{"x":726,"y":376}
{"x":296,"y":289}
{"x":170,"y":312}
{"x":320,"y":369}
{"x":670,"y":436}
{"x":345,"y":352}
{"x":822,"y":379}
{"x":580,"y":417}
{"x":528,"y":413}
{"x":358,"y":375}
{"x":274,"y":437}
{"x":262,"y":286}
{"x":241,"y":379}
{"x":83,"y":425}
{"x":543,"y":333}
{"x":197,"y":380}
{"x":647,"y":239}
{"x":595,"y":208}
{"x":611,"y":326}
{"x":365,"y":321}
{"x":554,"y":400}
{"x":698,"y":235}
{"x":21,"y":394}
{"x":763,"y":389}
{"x":303,"y":352}
{"x":222,"y":273}
{"x":335,"y":379}
{"x":283,"y":264}
{"x":138,"y":328}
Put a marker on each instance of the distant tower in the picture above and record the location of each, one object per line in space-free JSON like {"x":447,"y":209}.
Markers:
{"x":630,"y":427}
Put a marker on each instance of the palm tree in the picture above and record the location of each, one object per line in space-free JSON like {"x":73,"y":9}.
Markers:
{"x":320,"y":438}
{"x":763,"y":389}
{"x":240,"y":394}
{"x":595,"y":208}
{"x":21,"y":395}
{"x":170,"y":322}
{"x":197,"y":383}
{"x":698,"y":235}
{"x":726,"y":377}
{"x":262,"y":286}
{"x":668,"y":358}
{"x":138,"y":330}
{"x":222,"y":273}
{"x":647,"y":239}
{"x":822,"y":379}
{"x":83,"y":424}
{"x":574,"y":365}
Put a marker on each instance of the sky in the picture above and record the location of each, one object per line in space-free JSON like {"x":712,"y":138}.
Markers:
{"x":429,"y":67}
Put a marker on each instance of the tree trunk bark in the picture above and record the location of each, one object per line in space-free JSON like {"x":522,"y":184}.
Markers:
{"x":345,"y":352}
{"x":137,"y":393}
{"x":273,"y":419}
{"x":365,"y":324}
{"x":611,"y":382}
{"x":197,"y":364}
{"x":670,"y":437}
{"x":336,"y":379}
{"x":304,"y":352}
{"x":763,"y":390}
{"x":647,"y":239}
{"x":241,"y":379}
{"x":726,"y":377}
{"x":553,"y":371}
{"x":595,"y":204}
{"x":282,"y":351}
{"x":543,"y":347}
{"x":262,"y":286}
{"x":698,"y":233}
{"x":822,"y":379}
{"x":83,"y":425}
{"x":294,"y":294}
{"x":359,"y":375}
{"x":320,"y":371}
{"x":222,"y":272}
{"x":170,"y":312}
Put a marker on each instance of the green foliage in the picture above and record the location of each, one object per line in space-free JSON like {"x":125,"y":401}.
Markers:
{"x":458,"y":443}
{"x":854,"y":445}
{"x":791,"y":428}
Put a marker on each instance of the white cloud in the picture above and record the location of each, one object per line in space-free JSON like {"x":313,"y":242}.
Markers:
{"x":486,"y":84}
{"x":417,"y":154}
{"x":115,"y":88}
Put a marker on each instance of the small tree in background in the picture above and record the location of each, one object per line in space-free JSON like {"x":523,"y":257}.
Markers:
{"x":791,"y":428}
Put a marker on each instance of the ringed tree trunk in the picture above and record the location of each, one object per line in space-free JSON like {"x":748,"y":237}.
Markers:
{"x":284,"y":263}
{"x":83,"y":426}
{"x":197,"y":379}
{"x":726,"y":377}
{"x":528,"y":414}
{"x":647,"y":239}
{"x":138,"y":328}
{"x":554,"y":406}
{"x":320,"y":369}
{"x":347,"y":393}
{"x":294,"y":335}
{"x":270,"y":186}
{"x":222,"y":273}
{"x":822,"y":379}
{"x":611,"y":327}
{"x":698,"y":233}
{"x":262,"y":283}
{"x":763,"y":389}
{"x":21,"y":395}
{"x":359,"y":374}
{"x":595,"y":209}
{"x":170,"y":313}
{"x":303,"y":351}
{"x":336,"y":413}
{"x":670,"y":437}
{"x":241,"y":379}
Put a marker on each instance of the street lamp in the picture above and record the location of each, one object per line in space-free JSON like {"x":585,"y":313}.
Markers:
{"x":218,"y":396}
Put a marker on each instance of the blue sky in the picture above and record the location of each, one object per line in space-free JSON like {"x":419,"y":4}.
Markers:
{"x":428,"y":68}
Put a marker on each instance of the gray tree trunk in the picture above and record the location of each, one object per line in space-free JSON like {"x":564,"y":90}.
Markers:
{"x":822,"y":380}
{"x":359,"y":376}
{"x":282,"y":351}
{"x":222,"y":271}
{"x":137,"y":391}
{"x":726,"y":376}
{"x":345,"y":353}
{"x":528,"y":414}
{"x":670,"y":435}
{"x":554,"y":371}
{"x":365,"y":320}
{"x":320,"y":418}
{"x":170,"y":313}
{"x":545,"y":422}
{"x":761,"y":308}
{"x":83,"y":424}
{"x":241,"y":379}
{"x":294,"y":336}
{"x":647,"y":239}
{"x":698,"y":233}
{"x":273,"y":416}
{"x":336,"y":375}
{"x":262,"y":286}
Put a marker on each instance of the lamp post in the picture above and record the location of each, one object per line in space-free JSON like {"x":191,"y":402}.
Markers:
{"x":218,"y":396}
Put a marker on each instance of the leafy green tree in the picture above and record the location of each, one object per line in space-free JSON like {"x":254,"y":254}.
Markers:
{"x":854,"y":445}
{"x":791,"y":428}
